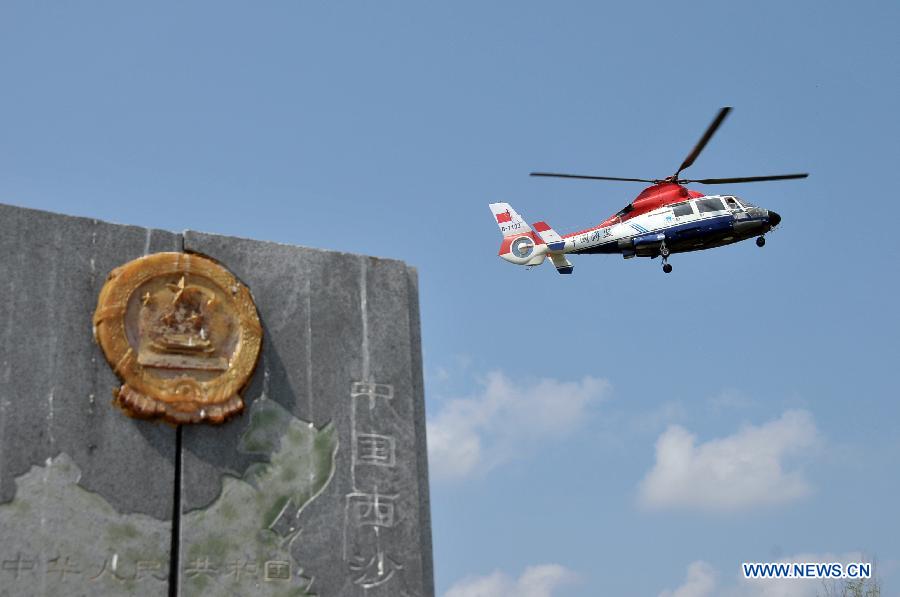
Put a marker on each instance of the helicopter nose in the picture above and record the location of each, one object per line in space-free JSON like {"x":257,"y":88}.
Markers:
{"x":774,"y":219}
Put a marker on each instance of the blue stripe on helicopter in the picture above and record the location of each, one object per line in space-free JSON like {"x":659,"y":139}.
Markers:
{"x":696,"y":228}
{"x":639,"y":228}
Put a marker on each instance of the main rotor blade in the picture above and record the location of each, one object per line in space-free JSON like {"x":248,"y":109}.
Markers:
{"x":746,"y":179}
{"x":555,"y":175}
{"x":710,"y":131}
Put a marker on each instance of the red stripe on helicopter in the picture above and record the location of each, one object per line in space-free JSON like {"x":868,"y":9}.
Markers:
{"x":650,"y":198}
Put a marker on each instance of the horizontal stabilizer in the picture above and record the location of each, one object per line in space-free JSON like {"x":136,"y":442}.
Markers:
{"x":554,"y":241}
{"x":561,"y":264}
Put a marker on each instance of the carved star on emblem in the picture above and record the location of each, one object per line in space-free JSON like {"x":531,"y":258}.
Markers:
{"x":178,"y":289}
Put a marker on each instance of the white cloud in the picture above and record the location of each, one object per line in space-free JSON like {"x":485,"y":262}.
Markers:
{"x":654,"y":420}
{"x":739,"y":471}
{"x":730,"y":399}
{"x":535,"y":581}
{"x":700,"y":582}
{"x":505,"y":418}
{"x":440,"y":374}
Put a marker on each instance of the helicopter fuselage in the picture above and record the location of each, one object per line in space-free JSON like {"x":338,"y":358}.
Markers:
{"x":701,"y":222}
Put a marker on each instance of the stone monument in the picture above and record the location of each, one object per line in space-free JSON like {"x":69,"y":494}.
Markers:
{"x":319,"y":487}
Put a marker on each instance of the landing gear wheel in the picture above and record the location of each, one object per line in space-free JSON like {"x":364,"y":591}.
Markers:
{"x":761,"y":241}
{"x":667,"y":267}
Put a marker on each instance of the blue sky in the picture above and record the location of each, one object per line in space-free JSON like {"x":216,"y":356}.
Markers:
{"x":617,"y":431}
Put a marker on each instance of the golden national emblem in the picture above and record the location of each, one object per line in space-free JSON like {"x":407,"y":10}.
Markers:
{"x":183,"y":335}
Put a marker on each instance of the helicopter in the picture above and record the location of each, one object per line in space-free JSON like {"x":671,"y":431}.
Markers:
{"x":665,"y":218}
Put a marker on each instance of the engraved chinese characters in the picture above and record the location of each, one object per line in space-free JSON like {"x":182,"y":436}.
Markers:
{"x":372,"y":513}
{"x":183,"y":335}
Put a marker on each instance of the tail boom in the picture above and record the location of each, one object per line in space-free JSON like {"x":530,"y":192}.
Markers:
{"x":521,"y":244}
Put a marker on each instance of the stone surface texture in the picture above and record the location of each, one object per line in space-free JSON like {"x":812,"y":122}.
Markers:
{"x":319,"y":488}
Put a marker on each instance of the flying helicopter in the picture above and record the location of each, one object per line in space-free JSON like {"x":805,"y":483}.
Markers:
{"x":665,"y":218}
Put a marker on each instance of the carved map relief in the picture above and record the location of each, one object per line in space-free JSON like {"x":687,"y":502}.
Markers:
{"x":242,"y":543}
{"x":60,"y":539}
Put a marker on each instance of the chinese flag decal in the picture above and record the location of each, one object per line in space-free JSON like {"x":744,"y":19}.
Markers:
{"x":504,"y":217}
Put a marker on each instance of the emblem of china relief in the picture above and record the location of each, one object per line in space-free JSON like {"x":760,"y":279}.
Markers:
{"x":183,"y":335}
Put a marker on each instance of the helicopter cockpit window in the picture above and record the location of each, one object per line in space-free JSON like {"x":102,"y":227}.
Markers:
{"x":744,"y":203}
{"x":731,"y":203}
{"x":627,"y":209}
{"x":708,"y":205}
{"x":683,"y":209}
